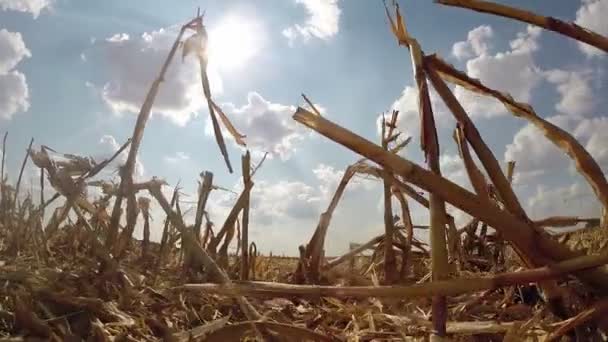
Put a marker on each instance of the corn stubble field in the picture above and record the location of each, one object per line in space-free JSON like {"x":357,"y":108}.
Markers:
{"x":80,"y":275}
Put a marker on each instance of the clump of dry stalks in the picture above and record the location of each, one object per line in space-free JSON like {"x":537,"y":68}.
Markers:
{"x":81,"y":275}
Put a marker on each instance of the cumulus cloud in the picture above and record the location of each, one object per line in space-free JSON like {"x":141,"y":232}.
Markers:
{"x":322,"y":21}
{"x":30,"y":6}
{"x":534,"y":154}
{"x":109,"y":146}
{"x":452,"y":168}
{"x":268,"y":126}
{"x":592,"y":15}
{"x":14,"y":92}
{"x":274,"y":202}
{"x":595,"y":132}
{"x":477,"y":43}
{"x":575,"y":199}
{"x":575,"y":90}
{"x":283,"y":200}
{"x":513,"y":71}
{"x":132,"y":64}
{"x":329,"y":180}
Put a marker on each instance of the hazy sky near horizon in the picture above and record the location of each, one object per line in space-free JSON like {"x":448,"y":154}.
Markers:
{"x":73,"y":75}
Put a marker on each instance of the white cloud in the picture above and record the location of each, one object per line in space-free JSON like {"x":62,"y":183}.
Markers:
{"x":329,"y":180}
{"x":513,"y":71}
{"x":109,"y":146}
{"x":595,"y":131}
{"x":452,"y":168}
{"x":177,"y":158}
{"x":592,"y":15}
{"x":268,"y":126}
{"x":12,"y":50}
{"x":134,"y":62}
{"x":322,"y":22}
{"x":31,"y":6}
{"x":575,"y":89}
{"x":274,"y":202}
{"x":477,"y":43}
{"x":569,"y":200}
{"x":284,"y":213}
{"x":284,"y":200}
{"x":14,"y":92}
{"x":534,"y":154}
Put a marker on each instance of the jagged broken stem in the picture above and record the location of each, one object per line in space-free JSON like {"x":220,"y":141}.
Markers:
{"x":246,"y":169}
{"x":314,"y":249}
{"x":98,"y":168}
{"x":232,"y":217}
{"x":597,"y":309}
{"x":25,"y":159}
{"x":205,"y":190}
{"x":164,"y":241}
{"x":409,"y":227}
{"x":390,"y":262}
{"x":2,"y":193}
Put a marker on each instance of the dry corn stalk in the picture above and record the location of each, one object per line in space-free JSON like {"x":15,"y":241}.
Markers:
{"x":596,"y":310}
{"x":144,"y":207}
{"x":565,"y":221}
{"x":487,"y":158}
{"x":452,"y":287}
{"x":244,"y":243}
{"x":539,"y":248}
{"x":429,"y":143}
{"x":409,"y":227}
{"x":199,"y":44}
{"x":204,"y":192}
{"x":231,"y":219}
{"x":549,"y":23}
{"x":308,"y":267}
{"x":199,"y":254}
{"x":390,"y":262}
{"x":353,"y":252}
{"x":584,"y":162}
{"x":126,"y":182}
{"x":164,"y":241}
{"x":27,"y":153}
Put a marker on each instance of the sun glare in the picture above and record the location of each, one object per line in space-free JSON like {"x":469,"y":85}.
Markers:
{"x":233,"y":42}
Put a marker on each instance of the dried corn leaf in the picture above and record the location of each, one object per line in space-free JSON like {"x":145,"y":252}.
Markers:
{"x":238,"y":137}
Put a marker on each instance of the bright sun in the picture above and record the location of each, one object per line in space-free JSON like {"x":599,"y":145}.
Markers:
{"x":233,"y":42}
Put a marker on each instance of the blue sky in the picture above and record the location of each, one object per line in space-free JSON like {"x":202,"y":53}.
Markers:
{"x":72,"y":74}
